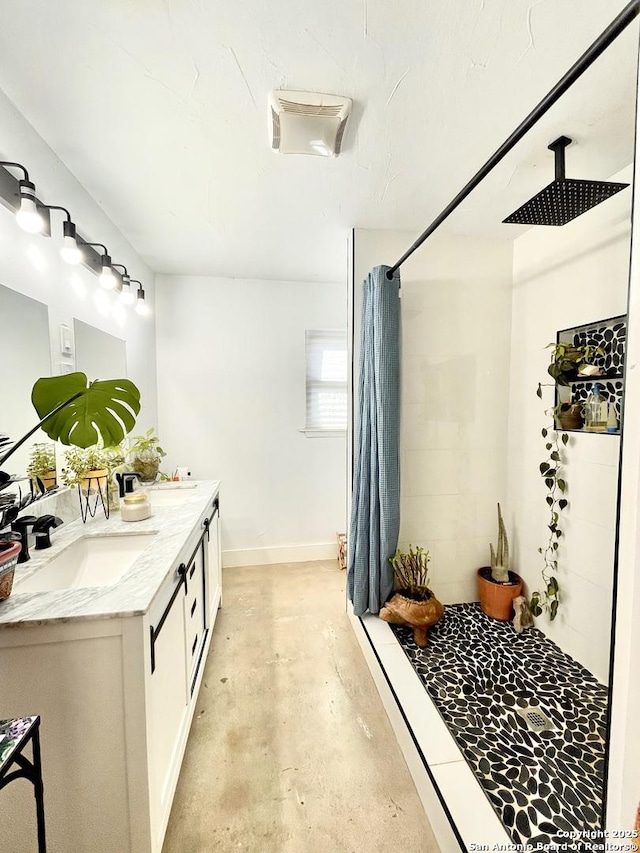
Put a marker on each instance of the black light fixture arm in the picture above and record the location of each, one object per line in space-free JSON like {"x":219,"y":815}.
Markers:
{"x":15,"y":166}
{"x":55,"y":207}
{"x":617,"y":26}
{"x":82,"y":242}
{"x":121,"y":267}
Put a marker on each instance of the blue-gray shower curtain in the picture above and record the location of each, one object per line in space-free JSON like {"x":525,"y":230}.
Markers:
{"x":375,"y":506}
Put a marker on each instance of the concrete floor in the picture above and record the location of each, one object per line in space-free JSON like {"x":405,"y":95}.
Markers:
{"x":290,"y":749}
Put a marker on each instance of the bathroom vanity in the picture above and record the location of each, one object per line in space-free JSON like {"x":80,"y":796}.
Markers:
{"x":105,"y":636}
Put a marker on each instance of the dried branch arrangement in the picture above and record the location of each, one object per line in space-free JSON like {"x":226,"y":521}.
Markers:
{"x":411,"y":570}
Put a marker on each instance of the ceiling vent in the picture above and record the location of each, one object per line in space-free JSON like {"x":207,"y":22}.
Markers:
{"x":307,"y":122}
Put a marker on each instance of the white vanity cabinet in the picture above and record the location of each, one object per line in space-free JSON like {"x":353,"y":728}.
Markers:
{"x":116,"y":696}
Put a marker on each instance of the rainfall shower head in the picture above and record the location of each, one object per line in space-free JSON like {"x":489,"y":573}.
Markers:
{"x":564,"y":198}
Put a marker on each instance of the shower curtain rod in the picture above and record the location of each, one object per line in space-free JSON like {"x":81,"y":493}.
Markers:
{"x":626,"y":16}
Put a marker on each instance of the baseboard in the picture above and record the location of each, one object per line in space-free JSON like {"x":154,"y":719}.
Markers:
{"x":280,"y":554}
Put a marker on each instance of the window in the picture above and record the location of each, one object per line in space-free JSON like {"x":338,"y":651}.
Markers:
{"x":326,"y":360}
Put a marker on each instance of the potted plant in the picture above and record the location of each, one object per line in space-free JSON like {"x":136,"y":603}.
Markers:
{"x":9,"y":551}
{"x":567,"y":359}
{"x":497,"y":585}
{"x":146,"y":454}
{"x":86,"y":467}
{"x":569,"y":415}
{"x":42,"y":465}
{"x":78,"y":413}
{"x":413,"y":603}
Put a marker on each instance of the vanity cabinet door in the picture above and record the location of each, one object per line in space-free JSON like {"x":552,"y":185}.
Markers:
{"x":168,"y":701}
{"x":214,"y":566}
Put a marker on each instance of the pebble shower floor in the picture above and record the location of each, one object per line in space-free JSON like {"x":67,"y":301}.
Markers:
{"x":478,"y":671}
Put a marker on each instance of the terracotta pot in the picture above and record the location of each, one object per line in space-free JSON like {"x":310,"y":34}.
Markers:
{"x":496,"y":599}
{"x":8,"y":558}
{"x":419,"y":615}
{"x":93,"y":480}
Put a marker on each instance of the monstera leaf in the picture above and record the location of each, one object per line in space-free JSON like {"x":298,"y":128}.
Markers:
{"x":82,"y":414}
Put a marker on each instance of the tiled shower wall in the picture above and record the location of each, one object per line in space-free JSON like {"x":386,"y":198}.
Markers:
{"x":565,"y":277}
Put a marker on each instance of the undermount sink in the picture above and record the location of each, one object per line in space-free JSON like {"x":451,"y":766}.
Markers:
{"x":170,"y":495}
{"x":88,"y":562}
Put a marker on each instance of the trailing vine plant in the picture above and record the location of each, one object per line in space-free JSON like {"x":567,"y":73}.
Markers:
{"x":551,"y":470}
{"x":566,"y":358}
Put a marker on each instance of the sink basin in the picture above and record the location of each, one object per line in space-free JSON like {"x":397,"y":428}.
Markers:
{"x":88,"y":562}
{"x":170,"y":496}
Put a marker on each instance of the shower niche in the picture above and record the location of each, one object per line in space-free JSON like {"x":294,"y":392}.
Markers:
{"x":610,"y":335}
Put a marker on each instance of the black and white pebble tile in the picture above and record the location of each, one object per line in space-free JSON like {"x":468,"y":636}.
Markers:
{"x":478,"y":672}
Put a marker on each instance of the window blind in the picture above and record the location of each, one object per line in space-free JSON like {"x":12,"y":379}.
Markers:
{"x":326,"y":379}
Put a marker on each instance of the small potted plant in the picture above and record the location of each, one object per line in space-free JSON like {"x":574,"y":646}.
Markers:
{"x":497,"y":585}
{"x":146,"y":454}
{"x":569,"y":415}
{"x":413,"y":603}
{"x":567,"y":360}
{"x":86,"y":467}
{"x":9,"y":550}
{"x":42,"y":465}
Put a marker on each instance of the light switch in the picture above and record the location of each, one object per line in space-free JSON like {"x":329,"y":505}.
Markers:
{"x":66,"y":346}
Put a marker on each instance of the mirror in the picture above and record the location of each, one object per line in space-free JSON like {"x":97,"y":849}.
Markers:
{"x":99,"y":354}
{"x":26,"y":357}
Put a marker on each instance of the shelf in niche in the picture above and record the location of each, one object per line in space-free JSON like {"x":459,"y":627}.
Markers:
{"x":603,"y":378}
{"x":586,"y":432}
{"x":611,"y":335}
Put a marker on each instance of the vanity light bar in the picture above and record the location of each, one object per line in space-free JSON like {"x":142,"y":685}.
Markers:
{"x":33,"y":215}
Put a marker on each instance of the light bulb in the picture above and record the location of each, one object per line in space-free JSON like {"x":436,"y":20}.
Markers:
{"x":127,"y":296}
{"x":106,"y":277}
{"x":70,"y":251}
{"x":141,"y":306}
{"x":28,"y":216}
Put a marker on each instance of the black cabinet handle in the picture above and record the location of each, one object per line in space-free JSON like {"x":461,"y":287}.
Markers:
{"x":193,"y":607}
{"x":193,"y":647}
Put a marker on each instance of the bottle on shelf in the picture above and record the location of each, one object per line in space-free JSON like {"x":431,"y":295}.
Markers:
{"x":596,"y":411}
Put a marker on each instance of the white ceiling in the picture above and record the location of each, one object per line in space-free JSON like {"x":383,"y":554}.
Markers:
{"x":160,"y":110}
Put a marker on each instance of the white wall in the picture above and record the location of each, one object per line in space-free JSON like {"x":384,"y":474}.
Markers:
{"x":231,"y":379}
{"x":456,"y":309}
{"x":31,"y":264}
{"x":565,"y":277}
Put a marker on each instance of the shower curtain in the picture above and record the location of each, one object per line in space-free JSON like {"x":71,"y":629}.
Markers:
{"x":375,"y":507}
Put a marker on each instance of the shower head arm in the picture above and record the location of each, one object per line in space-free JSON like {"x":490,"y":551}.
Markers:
{"x":558,"y":146}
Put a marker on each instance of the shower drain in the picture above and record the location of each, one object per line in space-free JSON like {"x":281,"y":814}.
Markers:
{"x":535,"y":719}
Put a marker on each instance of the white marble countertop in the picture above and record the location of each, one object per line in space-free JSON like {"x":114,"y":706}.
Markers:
{"x":133,"y":593}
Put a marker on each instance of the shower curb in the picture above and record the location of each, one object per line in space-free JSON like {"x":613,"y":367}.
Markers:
{"x":466,"y":824}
